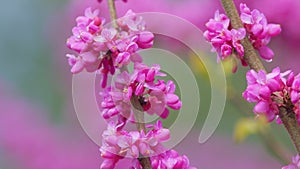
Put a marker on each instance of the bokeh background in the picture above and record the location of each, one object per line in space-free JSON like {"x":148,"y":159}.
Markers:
{"x":38,"y":124}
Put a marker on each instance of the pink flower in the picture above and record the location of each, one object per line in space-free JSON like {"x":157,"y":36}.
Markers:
{"x":170,"y":159}
{"x":108,"y":106}
{"x":127,"y":143}
{"x":224,"y":41}
{"x":82,"y":42}
{"x":272,"y":90}
{"x":145,"y":39}
{"x":155,"y":97}
{"x":118,"y":143}
{"x":294,"y":83}
{"x":260,"y":31}
{"x":107,"y":49}
{"x":116,"y":100}
{"x":132,"y":22}
{"x":295,"y":164}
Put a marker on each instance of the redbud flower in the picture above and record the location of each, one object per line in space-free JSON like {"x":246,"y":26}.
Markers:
{"x":269,"y":91}
{"x":107,"y":49}
{"x":155,"y":96}
{"x":82,"y":42}
{"x":145,"y":39}
{"x":225,"y":41}
{"x":295,"y":164}
{"x":118,"y":143}
{"x":116,"y":100}
{"x":170,"y":159}
{"x":260,"y":32}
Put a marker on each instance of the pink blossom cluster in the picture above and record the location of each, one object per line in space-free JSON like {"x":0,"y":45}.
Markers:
{"x":272,"y":90}
{"x":169,"y":159}
{"x":226,"y":41}
{"x":154,"y":96}
{"x":107,"y":49}
{"x":119,"y":143}
{"x":260,"y":31}
{"x":295,"y":164}
{"x":110,"y":49}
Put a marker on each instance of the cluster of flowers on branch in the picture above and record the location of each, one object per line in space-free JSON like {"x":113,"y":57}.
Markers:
{"x":109,"y":50}
{"x":155,"y":97}
{"x":276,"y":94}
{"x":120,"y":143}
{"x":272,"y":90}
{"x":226,"y":41}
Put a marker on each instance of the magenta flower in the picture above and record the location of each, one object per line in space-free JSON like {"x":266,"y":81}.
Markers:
{"x":224,"y":41}
{"x":128,"y":143}
{"x":295,"y":164}
{"x":132,"y":22}
{"x":264,"y":89}
{"x":116,"y":100}
{"x":118,"y":143}
{"x":107,"y":49}
{"x":107,"y":36}
{"x":145,"y":39}
{"x":170,"y":159}
{"x":155,"y":96}
{"x":82,"y":42}
{"x":260,"y":31}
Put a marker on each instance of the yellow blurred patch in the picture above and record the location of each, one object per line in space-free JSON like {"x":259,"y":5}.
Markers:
{"x":247,"y":126}
{"x":199,"y":68}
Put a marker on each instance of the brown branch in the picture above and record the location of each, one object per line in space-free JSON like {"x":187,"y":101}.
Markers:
{"x":286,"y":113}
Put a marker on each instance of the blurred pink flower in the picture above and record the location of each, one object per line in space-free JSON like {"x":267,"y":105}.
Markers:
{"x":31,"y":141}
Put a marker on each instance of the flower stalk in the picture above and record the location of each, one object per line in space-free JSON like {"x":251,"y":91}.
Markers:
{"x":286,"y":113}
{"x":112,"y":12}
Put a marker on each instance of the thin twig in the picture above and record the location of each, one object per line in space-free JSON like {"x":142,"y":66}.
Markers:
{"x":286,"y":113}
{"x":113,"y":13}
